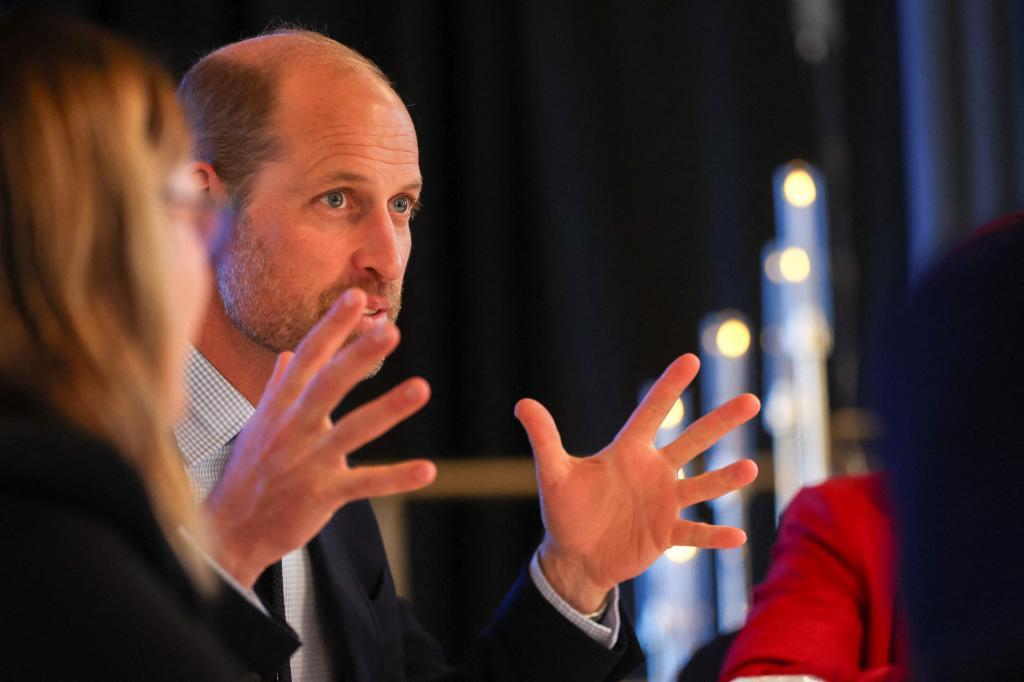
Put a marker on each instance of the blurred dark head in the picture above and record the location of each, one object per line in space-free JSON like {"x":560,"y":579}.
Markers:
{"x":952,"y":406}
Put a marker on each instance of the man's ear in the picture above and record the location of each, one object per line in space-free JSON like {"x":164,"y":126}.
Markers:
{"x":207,"y":181}
{"x":216,"y":230}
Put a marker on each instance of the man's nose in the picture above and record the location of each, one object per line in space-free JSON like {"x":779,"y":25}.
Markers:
{"x":380,"y":252}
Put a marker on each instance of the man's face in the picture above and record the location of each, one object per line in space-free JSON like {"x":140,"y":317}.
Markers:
{"x":331,"y":213}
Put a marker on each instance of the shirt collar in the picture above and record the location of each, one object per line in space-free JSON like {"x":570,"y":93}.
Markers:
{"x":215,"y":414}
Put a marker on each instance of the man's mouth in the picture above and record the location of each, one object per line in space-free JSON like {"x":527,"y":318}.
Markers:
{"x":376,"y":311}
{"x":371,"y":318}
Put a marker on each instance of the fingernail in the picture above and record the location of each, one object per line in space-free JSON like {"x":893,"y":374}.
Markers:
{"x":412,"y":392}
{"x":424,"y":473}
{"x":379,"y":333}
{"x":349,"y":297}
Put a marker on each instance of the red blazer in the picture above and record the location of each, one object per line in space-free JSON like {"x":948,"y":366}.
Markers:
{"x":828,"y":604}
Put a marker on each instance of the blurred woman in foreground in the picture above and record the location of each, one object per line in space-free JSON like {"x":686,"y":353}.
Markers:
{"x":103,"y":278}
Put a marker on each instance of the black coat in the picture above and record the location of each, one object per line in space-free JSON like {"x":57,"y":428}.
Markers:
{"x":89,"y":587}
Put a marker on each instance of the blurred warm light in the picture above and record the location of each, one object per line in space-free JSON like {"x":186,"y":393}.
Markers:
{"x":771,"y":267}
{"x":794,"y":264}
{"x":680,"y":554}
{"x":780,"y":408}
{"x":680,"y":474}
{"x":732,"y":338}
{"x":675,"y":416}
{"x":799,"y":189}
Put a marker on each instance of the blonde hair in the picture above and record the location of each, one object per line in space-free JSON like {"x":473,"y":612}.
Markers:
{"x":90,"y":132}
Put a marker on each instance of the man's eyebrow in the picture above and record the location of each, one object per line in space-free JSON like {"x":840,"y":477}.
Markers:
{"x":346,"y":176}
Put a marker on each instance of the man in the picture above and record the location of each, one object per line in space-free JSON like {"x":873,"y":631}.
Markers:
{"x":318,"y":156}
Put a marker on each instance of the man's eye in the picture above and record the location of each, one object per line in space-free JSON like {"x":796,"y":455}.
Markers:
{"x":402,"y":204}
{"x":333,"y":199}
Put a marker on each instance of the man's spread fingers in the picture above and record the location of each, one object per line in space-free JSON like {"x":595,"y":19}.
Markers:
{"x":650,"y":413}
{"x":371,"y":420}
{"x":284,"y":359}
{"x":706,"y":536}
{"x":346,"y":369}
{"x":710,"y":428}
{"x":322,"y":342}
{"x":390,"y":479}
{"x":714,"y":484}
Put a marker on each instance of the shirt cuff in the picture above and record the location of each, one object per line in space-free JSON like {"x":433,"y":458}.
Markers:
{"x":604,"y":632}
{"x":249,"y":595}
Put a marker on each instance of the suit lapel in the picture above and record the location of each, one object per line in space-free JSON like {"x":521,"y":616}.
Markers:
{"x":349,"y":622}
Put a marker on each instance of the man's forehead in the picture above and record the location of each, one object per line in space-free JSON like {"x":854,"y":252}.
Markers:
{"x":357,"y":153}
{"x":410,"y":181}
{"x":396,"y":139}
{"x":327,"y":93}
{"x":330,"y":113}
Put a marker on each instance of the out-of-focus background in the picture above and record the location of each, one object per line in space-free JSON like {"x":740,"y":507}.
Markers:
{"x":610,"y":184}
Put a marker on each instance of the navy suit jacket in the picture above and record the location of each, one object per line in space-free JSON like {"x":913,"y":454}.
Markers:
{"x":372,"y":633}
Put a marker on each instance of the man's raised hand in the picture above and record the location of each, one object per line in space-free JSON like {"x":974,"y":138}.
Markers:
{"x":611,"y":515}
{"x":288,"y":472}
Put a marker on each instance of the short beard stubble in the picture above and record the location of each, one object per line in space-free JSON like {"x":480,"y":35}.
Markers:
{"x":268,"y":313}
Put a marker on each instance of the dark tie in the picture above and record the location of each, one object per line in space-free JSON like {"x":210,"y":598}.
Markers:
{"x":269,"y":588}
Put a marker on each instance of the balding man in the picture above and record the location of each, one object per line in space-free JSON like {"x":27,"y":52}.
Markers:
{"x":318,"y":157}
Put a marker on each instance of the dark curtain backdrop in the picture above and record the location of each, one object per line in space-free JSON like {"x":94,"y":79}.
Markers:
{"x":598,"y":177}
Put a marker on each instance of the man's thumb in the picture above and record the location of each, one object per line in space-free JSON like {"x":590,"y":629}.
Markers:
{"x":542,"y":432}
